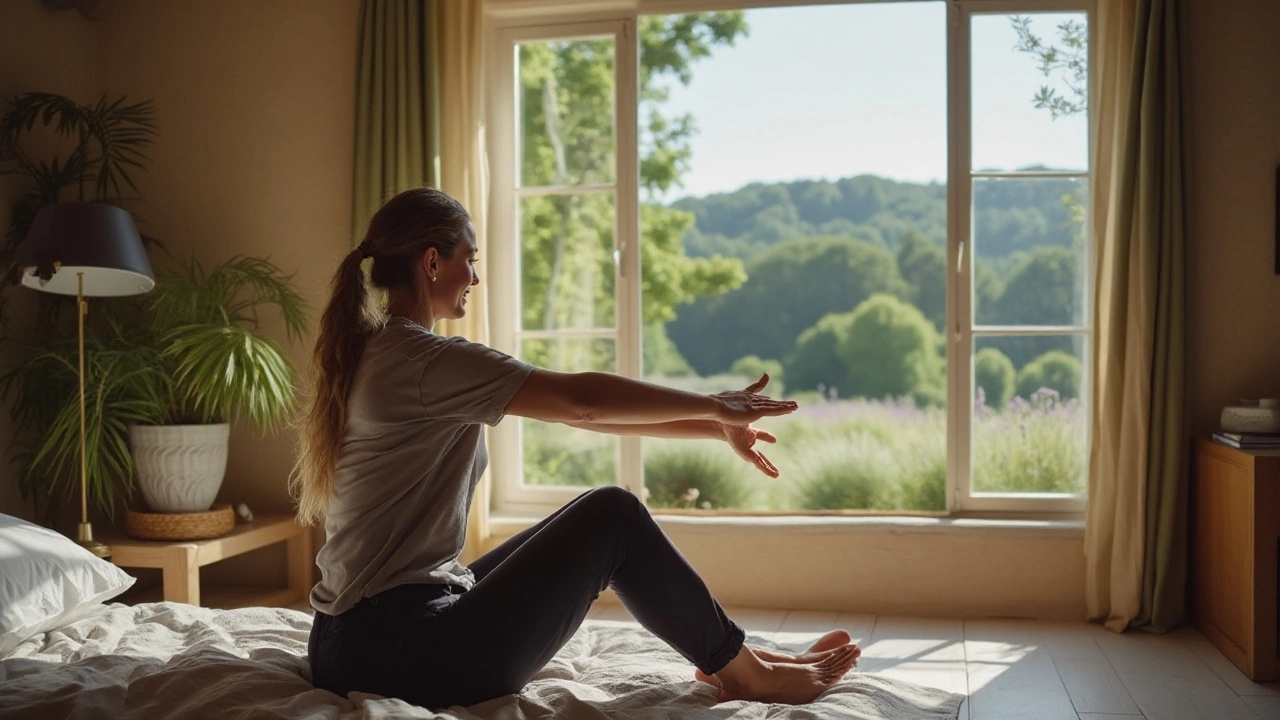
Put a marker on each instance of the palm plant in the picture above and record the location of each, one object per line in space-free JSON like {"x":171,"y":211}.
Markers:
{"x":110,"y":140}
{"x":101,"y":144}
{"x":187,"y":353}
{"x":126,"y":384}
{"x":205,"y":331}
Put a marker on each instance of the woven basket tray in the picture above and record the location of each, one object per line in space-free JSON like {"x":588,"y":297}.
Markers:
{"x":215,"y":522}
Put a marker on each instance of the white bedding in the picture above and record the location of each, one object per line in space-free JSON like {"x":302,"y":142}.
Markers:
{"x":168,"y":660}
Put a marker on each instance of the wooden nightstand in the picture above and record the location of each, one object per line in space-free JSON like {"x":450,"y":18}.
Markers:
{"x":1235,"y":514}
{"x":180,"y":563}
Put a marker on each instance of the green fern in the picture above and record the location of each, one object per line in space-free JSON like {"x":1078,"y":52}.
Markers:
{"x":207,"y":326}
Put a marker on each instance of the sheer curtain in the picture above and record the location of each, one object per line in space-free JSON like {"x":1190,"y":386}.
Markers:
{"x":1135,"y":535}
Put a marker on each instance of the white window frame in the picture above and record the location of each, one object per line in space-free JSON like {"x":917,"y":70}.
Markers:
{"x":510,"y":495}
{"x":961,"y":500}
{"x":512,"y":22}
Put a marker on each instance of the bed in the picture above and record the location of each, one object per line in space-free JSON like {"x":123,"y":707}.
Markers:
{"x":102,"y":659}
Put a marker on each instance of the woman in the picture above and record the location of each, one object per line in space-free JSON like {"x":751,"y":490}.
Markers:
{"x":390,"y":453}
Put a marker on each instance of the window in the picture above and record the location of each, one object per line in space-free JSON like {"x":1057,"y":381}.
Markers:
{"x":893,"y":226}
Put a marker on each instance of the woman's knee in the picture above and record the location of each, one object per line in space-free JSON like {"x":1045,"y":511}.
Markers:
{"x":612,"y":500}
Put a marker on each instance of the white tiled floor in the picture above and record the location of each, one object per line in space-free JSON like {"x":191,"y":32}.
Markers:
{"x":1032,"y":669}
{"x":1029,"y":670}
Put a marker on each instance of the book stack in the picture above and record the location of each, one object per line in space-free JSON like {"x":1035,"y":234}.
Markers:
{"x":1248,"y":440}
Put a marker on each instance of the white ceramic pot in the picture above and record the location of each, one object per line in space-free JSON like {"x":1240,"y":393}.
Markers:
{"x":180,"y":467}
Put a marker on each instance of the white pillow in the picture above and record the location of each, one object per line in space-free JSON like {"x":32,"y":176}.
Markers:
{"x":47,"y":580}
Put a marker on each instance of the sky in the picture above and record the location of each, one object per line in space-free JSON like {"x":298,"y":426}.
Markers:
{"x":835,"y":91}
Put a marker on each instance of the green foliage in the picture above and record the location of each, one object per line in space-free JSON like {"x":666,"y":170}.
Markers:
{"x":753,"y":367}
{"x":1056,"y":371}
{"x":857,"y":473}
{"x":557,"y":454}
{"x":923,"y":266}
{"x":1045,"y":289}
{"x":787,"y":289}
{"x":660,"y":355}
{"x":110,"y":138}
{"x":993,"y":373}
{"x":815,"y":360}
{"x":1069,"y":58}
{"x":206,"y":327}
{"x":1035,"y":446}
{"x":673,"y":469}
{"x":891,"y":350}
{"x":566,"y":100}
{"x":125,"y":384}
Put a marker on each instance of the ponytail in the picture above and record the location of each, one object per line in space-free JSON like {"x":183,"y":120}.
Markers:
{"x":345,"y":329}
{"x":398,"y":234}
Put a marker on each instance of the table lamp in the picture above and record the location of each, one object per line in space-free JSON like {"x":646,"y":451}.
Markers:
{"x":86,"y":250}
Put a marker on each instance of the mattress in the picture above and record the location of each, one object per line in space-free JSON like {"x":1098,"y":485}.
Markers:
{"x":171,"y":660}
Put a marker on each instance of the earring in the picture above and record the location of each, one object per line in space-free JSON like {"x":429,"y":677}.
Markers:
{"x":433,"y":279}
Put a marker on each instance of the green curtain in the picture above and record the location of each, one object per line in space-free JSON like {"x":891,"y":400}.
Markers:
{"x":397,"y":104}
{"x":1160,"y":209}
{"x":1135,"y":533}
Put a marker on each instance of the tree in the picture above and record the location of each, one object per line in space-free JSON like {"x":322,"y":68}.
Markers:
{"x":1069,"y":58}
{"x":752,"y":366}
{"x":1055,"y":370}
{"x":923,"y":266}
{"x":566,"y":96}
{"x":815,"y":361}
{"x":788,"y":289}
{"x":1044,"y":290}
{"x":993,"y":372}
{"x":891,"y":350}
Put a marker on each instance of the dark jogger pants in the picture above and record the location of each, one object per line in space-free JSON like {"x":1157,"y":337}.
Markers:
{"x":437,"y":646}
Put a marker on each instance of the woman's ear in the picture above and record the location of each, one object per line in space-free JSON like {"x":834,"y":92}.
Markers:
{"x":431,"y":262}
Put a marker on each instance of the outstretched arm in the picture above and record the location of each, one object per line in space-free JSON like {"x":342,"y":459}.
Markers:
{"x":603,"y":398}
{"x":742,"y":438}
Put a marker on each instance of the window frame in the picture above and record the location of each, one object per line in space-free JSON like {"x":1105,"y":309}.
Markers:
{"x":961,"y":499}
{"x":512,"y":22}
{"x":511,"y":495}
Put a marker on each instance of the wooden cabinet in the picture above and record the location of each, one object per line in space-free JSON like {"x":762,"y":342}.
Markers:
{"x":1235,"y":533}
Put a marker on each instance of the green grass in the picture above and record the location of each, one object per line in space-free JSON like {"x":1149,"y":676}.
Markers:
{"x":835,"y":456}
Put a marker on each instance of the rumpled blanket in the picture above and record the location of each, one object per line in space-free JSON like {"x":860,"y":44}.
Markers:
{"x":168,"y":660}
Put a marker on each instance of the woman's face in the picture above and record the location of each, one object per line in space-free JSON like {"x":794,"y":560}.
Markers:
{"x":454,"y":278}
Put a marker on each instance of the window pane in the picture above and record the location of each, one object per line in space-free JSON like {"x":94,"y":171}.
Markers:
{"x":1030,"y":417}
{"x":556,"y":454}
{"x":566,"y":261}
{"x":566,"y":112}
{"x":1029,"y":251}
{"x":1030,"y":89}
{"x":806,"y":238}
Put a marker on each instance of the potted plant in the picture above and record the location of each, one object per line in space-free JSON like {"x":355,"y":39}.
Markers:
{"x":218,"y":368}
{"x":86,"y":154}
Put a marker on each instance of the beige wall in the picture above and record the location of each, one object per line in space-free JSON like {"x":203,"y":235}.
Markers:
{"x":256,"y":113}
{"x":43,"y":51}
{"x":255,"y":102}
{"x":1233,"y":90}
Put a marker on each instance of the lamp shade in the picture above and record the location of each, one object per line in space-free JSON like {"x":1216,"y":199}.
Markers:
{"x":98,"y":240}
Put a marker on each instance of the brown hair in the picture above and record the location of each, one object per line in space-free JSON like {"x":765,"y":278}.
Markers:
{"x":399,"y":233}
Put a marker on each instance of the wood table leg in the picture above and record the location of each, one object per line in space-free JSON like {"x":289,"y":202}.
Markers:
{"x":181,"y":575}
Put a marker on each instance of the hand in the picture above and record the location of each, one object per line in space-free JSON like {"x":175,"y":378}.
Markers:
{"x":743,"y":407}
{"x":742,"y":438}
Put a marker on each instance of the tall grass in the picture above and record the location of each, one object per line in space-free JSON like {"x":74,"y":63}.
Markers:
{"x":837,"y":455}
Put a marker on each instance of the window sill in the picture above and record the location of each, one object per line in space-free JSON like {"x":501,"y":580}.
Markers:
{"x":507,"y":525}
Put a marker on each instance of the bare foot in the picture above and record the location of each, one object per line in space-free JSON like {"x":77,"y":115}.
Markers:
{"x":747,"y":677}
{"x":829,"y":641}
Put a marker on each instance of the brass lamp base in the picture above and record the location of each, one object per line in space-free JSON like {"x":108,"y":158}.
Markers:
{"x":86,"y":541}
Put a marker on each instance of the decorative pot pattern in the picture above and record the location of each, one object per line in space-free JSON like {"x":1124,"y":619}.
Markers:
{"x":180,"y":467}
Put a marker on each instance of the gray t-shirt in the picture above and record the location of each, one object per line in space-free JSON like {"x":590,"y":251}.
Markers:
{"x":410,"y":459}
